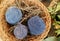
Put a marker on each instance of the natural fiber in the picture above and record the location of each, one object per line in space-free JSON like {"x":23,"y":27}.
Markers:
{"x":4,"y":26}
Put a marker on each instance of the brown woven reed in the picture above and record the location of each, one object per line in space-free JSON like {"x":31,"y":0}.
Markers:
{"x":4,"y":26}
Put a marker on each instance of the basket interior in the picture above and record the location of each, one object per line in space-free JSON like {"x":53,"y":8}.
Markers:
{"x":26,"y":6}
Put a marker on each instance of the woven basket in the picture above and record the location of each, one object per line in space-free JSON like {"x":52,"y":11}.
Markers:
{"x":4,"y":26}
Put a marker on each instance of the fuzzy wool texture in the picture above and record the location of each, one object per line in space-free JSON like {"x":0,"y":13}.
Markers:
{"x":36,"y":25}
{"x":13,"y":15}
{"x":20,"y":31}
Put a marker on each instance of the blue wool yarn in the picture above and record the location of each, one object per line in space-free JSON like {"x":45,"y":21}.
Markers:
{"x":20,"y":31}
{"x":36,"y":25}
{"x":13,"y":15}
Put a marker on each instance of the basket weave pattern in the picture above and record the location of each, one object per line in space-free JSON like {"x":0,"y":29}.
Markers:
{"x":5,"y":36}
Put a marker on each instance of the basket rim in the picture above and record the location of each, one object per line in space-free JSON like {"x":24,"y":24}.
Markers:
{"x":36,"y":2}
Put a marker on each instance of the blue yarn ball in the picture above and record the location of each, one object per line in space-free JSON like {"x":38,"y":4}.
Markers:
{"x":36,"y":25}
{"x":20,"y":31}
{"x":13,"y":15}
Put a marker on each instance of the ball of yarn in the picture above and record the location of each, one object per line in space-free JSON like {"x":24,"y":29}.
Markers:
{"x":20,"y":31}
{"x":36,"y":25}
{"x":13,"y":15}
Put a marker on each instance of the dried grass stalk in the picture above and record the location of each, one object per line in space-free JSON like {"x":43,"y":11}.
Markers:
{"x":32,"y":7}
